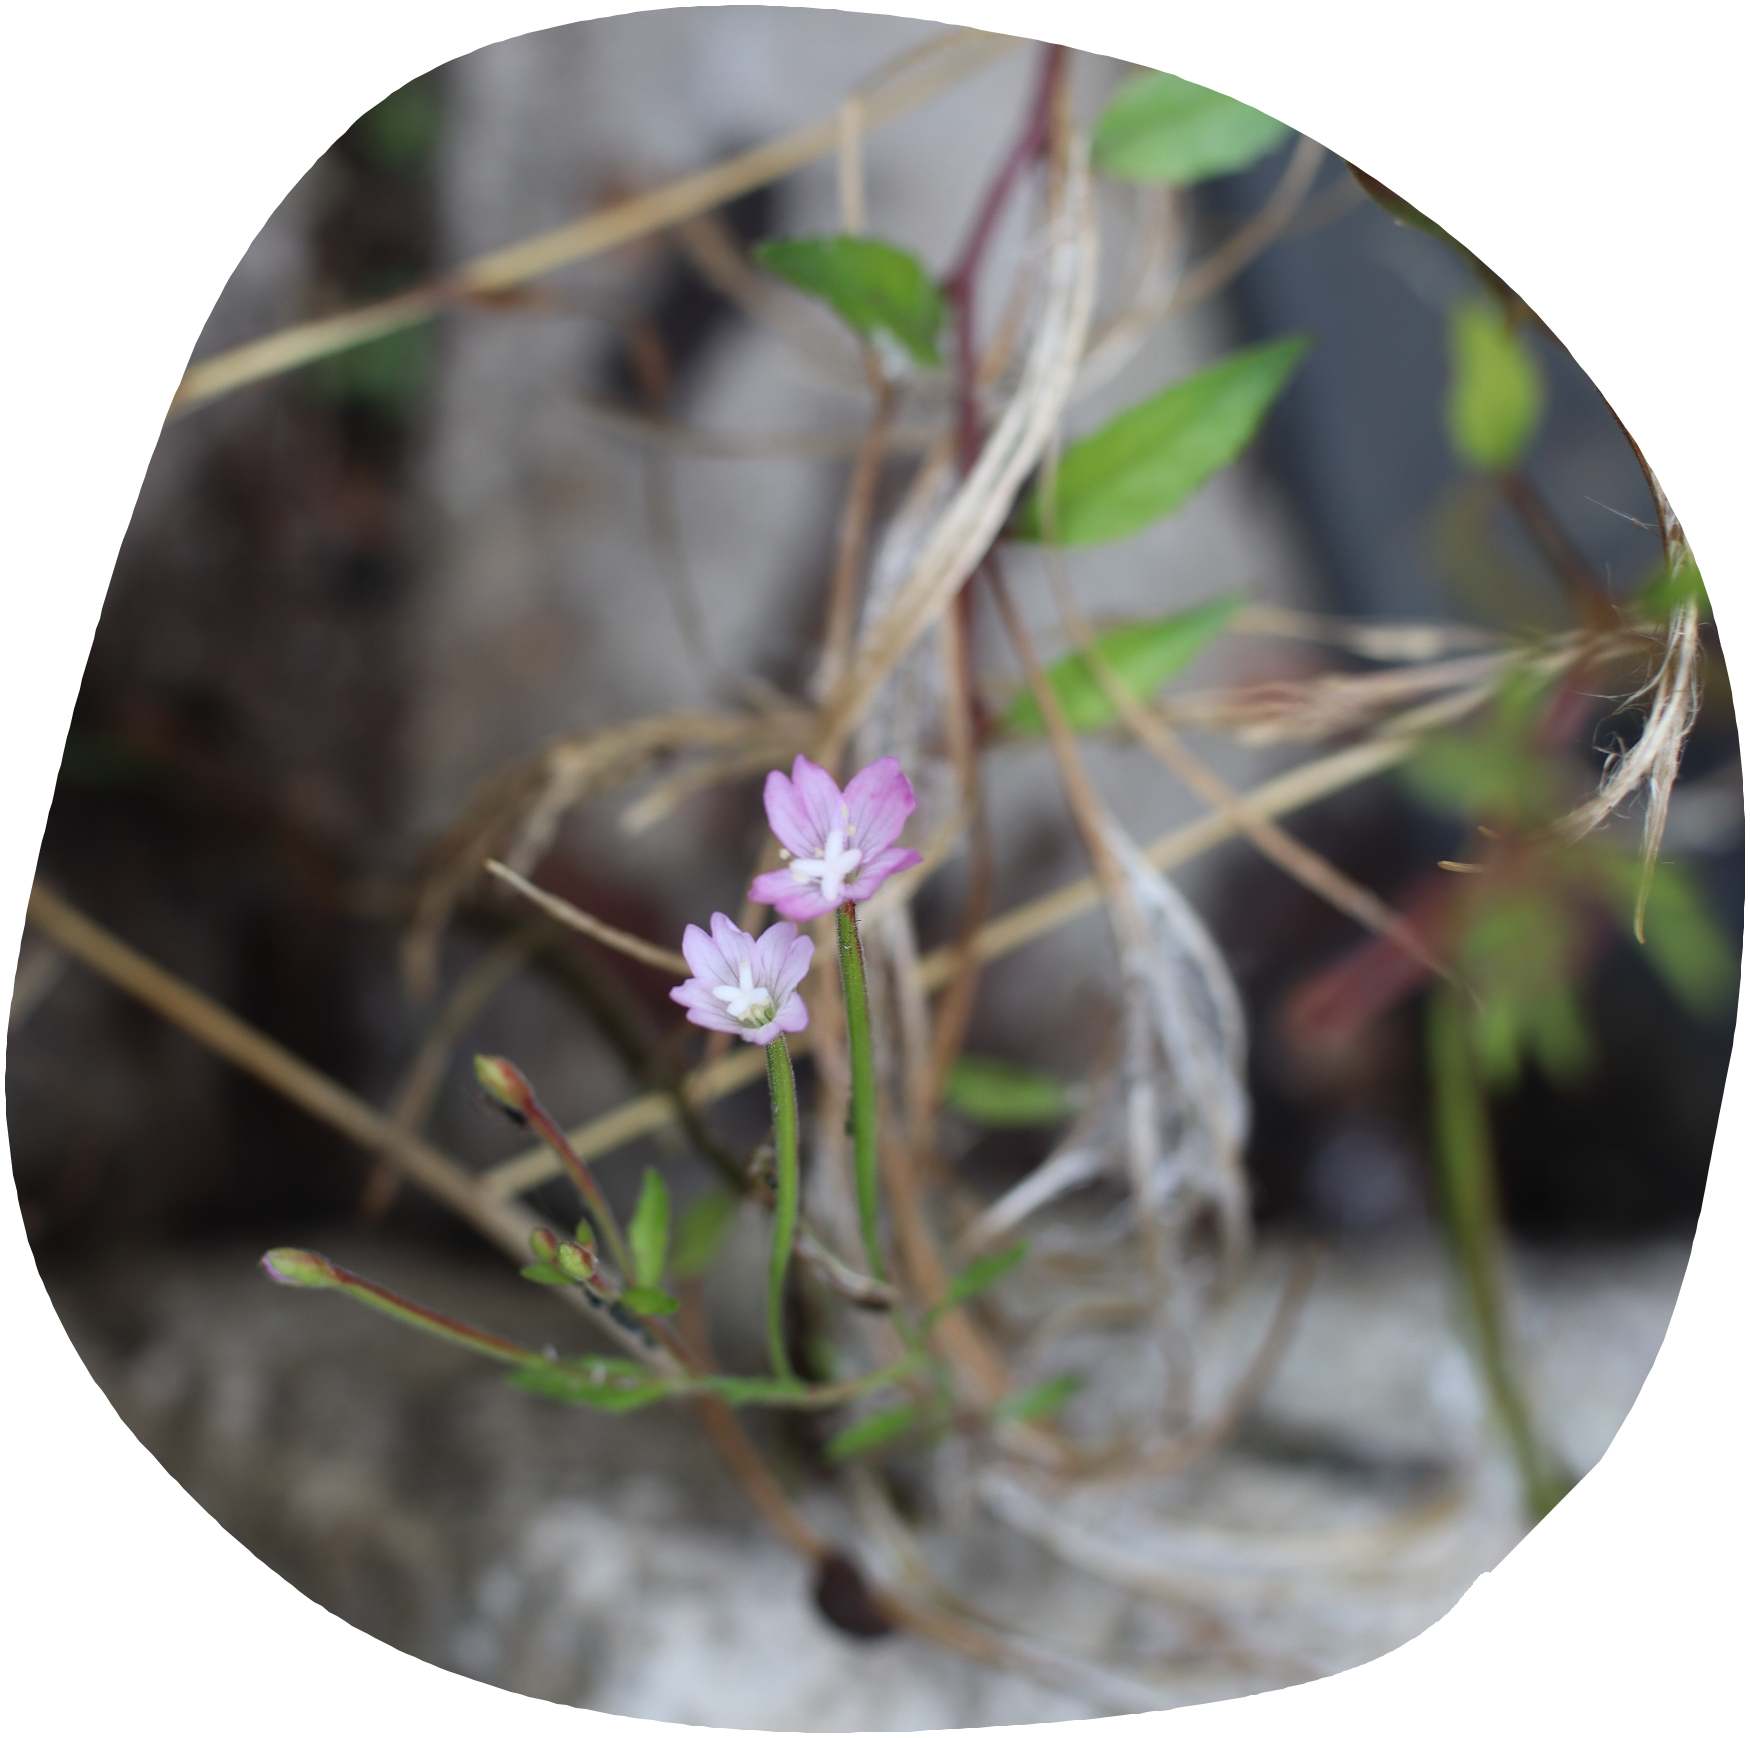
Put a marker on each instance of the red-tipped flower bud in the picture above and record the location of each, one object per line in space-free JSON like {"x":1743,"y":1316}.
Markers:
{"x":504,"y":1083}
{"x":299,"y":1267}
{"x":544,"y":1244}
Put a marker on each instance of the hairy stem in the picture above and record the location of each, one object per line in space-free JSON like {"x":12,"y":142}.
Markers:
{"x":865,"y":1158}
{"x":783,"y":1083}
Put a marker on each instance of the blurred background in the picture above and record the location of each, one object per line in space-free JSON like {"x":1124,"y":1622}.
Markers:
{"x":351,"y":594}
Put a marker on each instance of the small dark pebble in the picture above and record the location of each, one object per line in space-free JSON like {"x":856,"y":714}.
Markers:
{"x":844,"y":1598}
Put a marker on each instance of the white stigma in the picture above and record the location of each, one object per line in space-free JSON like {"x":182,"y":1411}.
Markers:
{"x":746,"y":1001}
{"x":833,"y":869}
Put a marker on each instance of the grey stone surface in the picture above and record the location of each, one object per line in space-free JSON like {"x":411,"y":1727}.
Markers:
{"x":611,"y":1563}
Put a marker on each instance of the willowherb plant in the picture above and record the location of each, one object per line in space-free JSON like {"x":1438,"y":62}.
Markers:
{"x":865,"y":1239}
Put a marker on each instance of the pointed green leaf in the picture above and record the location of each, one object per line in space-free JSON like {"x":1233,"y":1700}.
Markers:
{"x":648,"y":1232}
{"x":1148,"y":460}
{"x":878,"y":290}
{"x":545,"y":1273}
{"x":1039,"y":1401}
{"x":1142,"y":655}
{"x":701,"y":1231}
{"x":1166,"y":130}
{"x":1495,"y":398}
{"x":978,"y":1276}
{"x":874,"y":1431}
{"x":650,"y":1300}
{"x":1005,"y":1095}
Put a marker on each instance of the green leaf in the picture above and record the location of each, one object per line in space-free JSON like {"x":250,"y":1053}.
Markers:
{"x":1666,"y":591}
{"x":874,"y":1431}
{"x":1148,"y":460}
{"x":1521,"y":948}
{"x":1685,"y":944}
{"x":977,"y":1277}
{"x":1167,"y":130}
{"x":701,"y":1231}
{"x":650,"y":1300}
{"x":1039,"y":1401}
{"x":1005,"y":1095}
{"x":607,"y":1384}
{"x":1494,"y":401}
{"x":648,"y":1232}
{"x":1142,"y":655}
{"x":545,"y":1273}
{"x":875,"y":288}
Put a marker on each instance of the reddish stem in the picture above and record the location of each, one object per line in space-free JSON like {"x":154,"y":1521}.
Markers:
{"x":960,"y":287}
{"x":960,"y":284}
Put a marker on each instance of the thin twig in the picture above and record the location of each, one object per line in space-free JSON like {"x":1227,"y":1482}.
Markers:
{"x":413,"y":1098}
{"x":1201,"y":1440}
{"x":853,"y":530}
{"x":1310,"y":868}
{"x":498,"y":1220}
{"x":563,"y":911}
{"x":892,"y":92}
{"x":1115,"y":343}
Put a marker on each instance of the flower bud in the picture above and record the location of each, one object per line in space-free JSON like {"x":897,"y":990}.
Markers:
{"x":574,"y":1259}
{"x":504,"y":1084}
{"x":299,"y":1267}
{"x":544,"y":1244}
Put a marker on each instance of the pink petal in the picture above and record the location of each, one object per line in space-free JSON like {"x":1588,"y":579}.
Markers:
{"x":792,"y":1017}
{"x":879,"y":798}
{"x":705,"y":957}
{"x":798,"y":957}
{"x":820,"y":797}
{"x":879,"y":867}
{"x":789,"y":817}
{"x":803,"y":904}
{"x":703,"y":1009}
{"x":775,"y":884}
{"x":769,"y":952}
{"x":736,"y":944}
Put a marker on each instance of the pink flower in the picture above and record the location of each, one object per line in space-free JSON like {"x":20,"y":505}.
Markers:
{"x":745,"y":986}
{"x":839,"y":843}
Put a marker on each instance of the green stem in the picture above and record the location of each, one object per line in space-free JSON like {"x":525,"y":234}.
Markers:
{"x":304,"y":1267}
{"x":783,"y":1083}
{"x":862,"y":1084}
{"x":1471,"y":1209}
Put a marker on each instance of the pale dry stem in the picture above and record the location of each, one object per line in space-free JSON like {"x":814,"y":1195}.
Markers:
{"x":500,"y":1221}
{"x":1310,"y":868}
{"x":563,"y":911}
{"x":893,"y":91}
